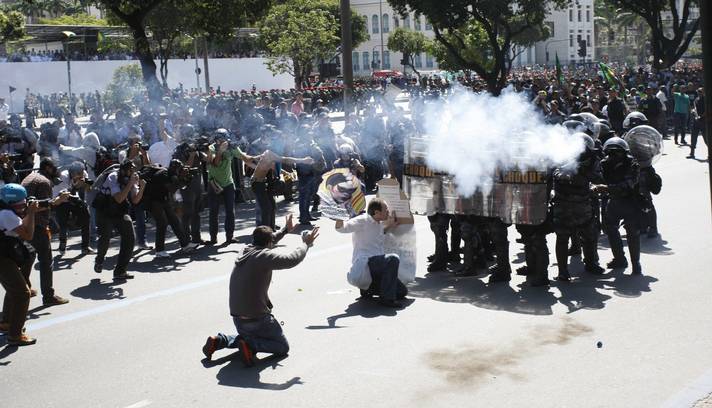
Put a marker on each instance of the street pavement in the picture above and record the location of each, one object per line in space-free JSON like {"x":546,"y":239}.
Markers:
{"x":613,"y":341}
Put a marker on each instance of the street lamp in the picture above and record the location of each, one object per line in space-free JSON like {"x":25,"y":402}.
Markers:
{"x":67,"y":36}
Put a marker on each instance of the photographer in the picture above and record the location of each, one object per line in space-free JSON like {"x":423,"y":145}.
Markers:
{"x":74,"y":180}
{"x":161,"y":185}
{"x":7,"y":171}
{"x":193,"y":155}
{"x":348,"y":159}
{"x":17,"y":226}
{"x":116,"y":190}
{"x":137,"y":153}
{"x":16,"y":140}
{"x":39,"y":186}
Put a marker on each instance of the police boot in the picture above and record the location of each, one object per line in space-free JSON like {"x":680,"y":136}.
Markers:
{"x":540,"y":262}
{"x":634,"y":249}
{"x":575,"y":248}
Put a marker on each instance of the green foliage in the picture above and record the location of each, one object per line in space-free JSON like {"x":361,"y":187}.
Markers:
{"x":479,"y":35}
{"x":409,"y":43}
{"x":75,"y":19}
{"x":126,"y":84}
{"x":12,"y":26}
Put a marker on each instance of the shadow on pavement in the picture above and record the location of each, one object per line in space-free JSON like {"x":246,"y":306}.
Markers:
{"x":367,"y":308}
{"x":6,"y":351}
{"x":235,"y":374}
{"x":98,"y":290}
{"x":657,"y":246}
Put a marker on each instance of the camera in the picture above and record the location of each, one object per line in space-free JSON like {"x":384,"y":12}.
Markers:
{"x":45,"y":203}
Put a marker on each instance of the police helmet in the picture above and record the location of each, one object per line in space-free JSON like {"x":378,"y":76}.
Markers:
{"x":587,"y":140}
{"x":12,"y":193}
{"x":187,"y":131}
{"x":575,"y":116}
{"x":615,"y":143}
{"x":573,"y":125}
{"x":634,"y":119}
{"x":604,"y":131}
{"x":222,"y":134}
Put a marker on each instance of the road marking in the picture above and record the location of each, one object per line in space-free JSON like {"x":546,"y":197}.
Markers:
{"x":140,"y":404}
{"x":120,"y":304}
{"x":692,"y":393}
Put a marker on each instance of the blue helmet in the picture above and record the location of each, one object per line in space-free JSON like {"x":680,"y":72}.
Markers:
{"x":12,"y":193}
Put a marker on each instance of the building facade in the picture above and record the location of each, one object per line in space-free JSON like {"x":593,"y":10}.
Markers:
{"x":567,"y":26}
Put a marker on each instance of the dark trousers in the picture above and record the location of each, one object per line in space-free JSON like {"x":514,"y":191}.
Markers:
{"x":164,"y":215}
{"x":41,"y":243}
{"x":499,"y":236}
{"x":139,"y":215}
{"x":439,"y":224}
{"x":227,"y":197}
{"x":679,"y":121}
{"x":263,"y":334}
{"x":106,"y":225}
{"x":62,"y":214}
{"x":307,"y":189}
{"x":384,"y":277}
{"x":627,"y":210}
{"x":192,"y":206}
{"x":15,"y":279}
{"x":586,"y":235}
{"x":266,"y":203}
{"x":698,"y":126}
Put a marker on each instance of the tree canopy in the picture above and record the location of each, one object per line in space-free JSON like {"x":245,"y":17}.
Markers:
{"x":409,"y":43}
{"x":12,"y":26}
{"x":670,"y":38}
{"x":479,"y":35}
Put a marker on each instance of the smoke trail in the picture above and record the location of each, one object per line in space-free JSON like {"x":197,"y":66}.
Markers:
{"x":472,"y":135}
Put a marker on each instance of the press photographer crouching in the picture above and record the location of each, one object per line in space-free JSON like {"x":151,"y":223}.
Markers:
{"x":74,"y":213}
{"x":117,"y":186}
{"x":39,"y":186}
{"x":17,"y":226}
{"x":161,"y":185}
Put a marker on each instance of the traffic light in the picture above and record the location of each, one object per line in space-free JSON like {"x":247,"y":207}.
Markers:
{"x":582,"y":48}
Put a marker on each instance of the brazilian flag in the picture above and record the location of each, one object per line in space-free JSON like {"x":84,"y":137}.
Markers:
{"x":609,"y":75}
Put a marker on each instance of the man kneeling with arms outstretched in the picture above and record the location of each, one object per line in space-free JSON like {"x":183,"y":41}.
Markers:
{"x":250,"y":306}
{"x":373,"y":271}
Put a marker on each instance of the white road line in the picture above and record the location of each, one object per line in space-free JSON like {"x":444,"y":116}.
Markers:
{"x":692,"y":393}
{"x":140,"y":404}
{"x":120,"y":304}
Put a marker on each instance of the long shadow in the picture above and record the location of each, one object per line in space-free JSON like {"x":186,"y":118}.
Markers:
{"x":6,"y":351}
{"x":657,"y":246}
{"x":98,"y":290}
{"x":366,"y":308}
{"x":235,"y":374}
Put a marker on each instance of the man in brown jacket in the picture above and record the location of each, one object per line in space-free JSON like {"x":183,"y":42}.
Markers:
{"x":250,"y":306}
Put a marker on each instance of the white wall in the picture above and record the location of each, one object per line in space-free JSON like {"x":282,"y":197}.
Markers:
{"x":88,"y":76}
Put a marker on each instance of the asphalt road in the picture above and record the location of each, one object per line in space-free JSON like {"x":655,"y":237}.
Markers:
{"x":459,"y":342}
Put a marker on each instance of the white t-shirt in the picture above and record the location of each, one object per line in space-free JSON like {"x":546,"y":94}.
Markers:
{"x":9,"y":221}
{"x":368,"y":239}
{"x":162,"y":152}
{"x":663,"y":99}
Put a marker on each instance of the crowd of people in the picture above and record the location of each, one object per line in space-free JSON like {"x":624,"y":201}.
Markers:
{"x":171,"y":160}
{"x":33,"y":55}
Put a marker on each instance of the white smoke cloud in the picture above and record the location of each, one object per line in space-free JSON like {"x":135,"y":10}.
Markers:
{"x":473,"y":135}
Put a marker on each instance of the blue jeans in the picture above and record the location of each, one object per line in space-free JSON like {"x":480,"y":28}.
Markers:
{"x":307,"y":189}
{"x":263,"y":334}
{"x":227,"y":196}
{"x":384,"y":275}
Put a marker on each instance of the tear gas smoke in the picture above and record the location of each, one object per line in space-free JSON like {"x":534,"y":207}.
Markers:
{"x":473,"y":135}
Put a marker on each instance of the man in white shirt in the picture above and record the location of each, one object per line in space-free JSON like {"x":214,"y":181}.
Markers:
{"x":663,"y":118}
{"x":162,"y":152}
{"x":4,"y":110}
{"x":373,"y":271}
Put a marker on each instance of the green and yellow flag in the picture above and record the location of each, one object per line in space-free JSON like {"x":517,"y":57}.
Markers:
{"x":609,"y":75}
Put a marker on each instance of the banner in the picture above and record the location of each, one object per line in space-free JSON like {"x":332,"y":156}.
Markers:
{"x":341,"y":195}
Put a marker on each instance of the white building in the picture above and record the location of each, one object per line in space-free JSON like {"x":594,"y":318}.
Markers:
{"x":381,"y":20}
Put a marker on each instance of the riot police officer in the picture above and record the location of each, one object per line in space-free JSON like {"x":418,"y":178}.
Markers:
{"x":573,"y":208}
{"x":621,"y":174}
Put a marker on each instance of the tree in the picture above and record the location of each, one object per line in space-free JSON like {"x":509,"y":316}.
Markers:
{"x":12,"y":26}
{"x":479,"y":35}
{"x":125,"y":85}
{"x":81,"y":19}
{"x":409,"y":43}
{"x":670,"y":38}
{"x":299,"y":32}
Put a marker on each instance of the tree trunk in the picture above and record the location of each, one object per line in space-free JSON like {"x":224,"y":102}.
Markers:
{"x":297,"y":75}
{"x":145,"y":58}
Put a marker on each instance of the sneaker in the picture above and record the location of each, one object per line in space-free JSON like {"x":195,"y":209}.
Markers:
{"x":162,"y":255}
{"x":23,"y":340}
{"x":617,"y":263}
{"x":245,"y":353}
{"x":144,"y":247}
{"x":62,"y":249}
{"x":88,"y":251}
{"x":54,"y":301}
{"x":189,"y":248}
{"x":124,"y":276}
{"x":210,"y":347}
{"x":594,"y":269}
{"x":97,"y":267}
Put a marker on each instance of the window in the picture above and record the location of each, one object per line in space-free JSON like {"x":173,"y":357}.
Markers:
{"x":366,"y":62}
{"x":416,"y":23}
{"x":386,"y":60}
{"x":406,"y":21}
{"x":579,"y":15}
{"x":571,"y":15}
{"x":396,"y":23}
{"x":588,"y":16}
{"x":418,"y":61}
{"x":428,"y":26}
{"x":385,"y":20}
{"x":354,"y":62}
{"x":571,"y":40}
{"x":428,"y":60}
{"x":376,"y":61}
{"x":588,"y":40}
{"x":374,"y":24}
